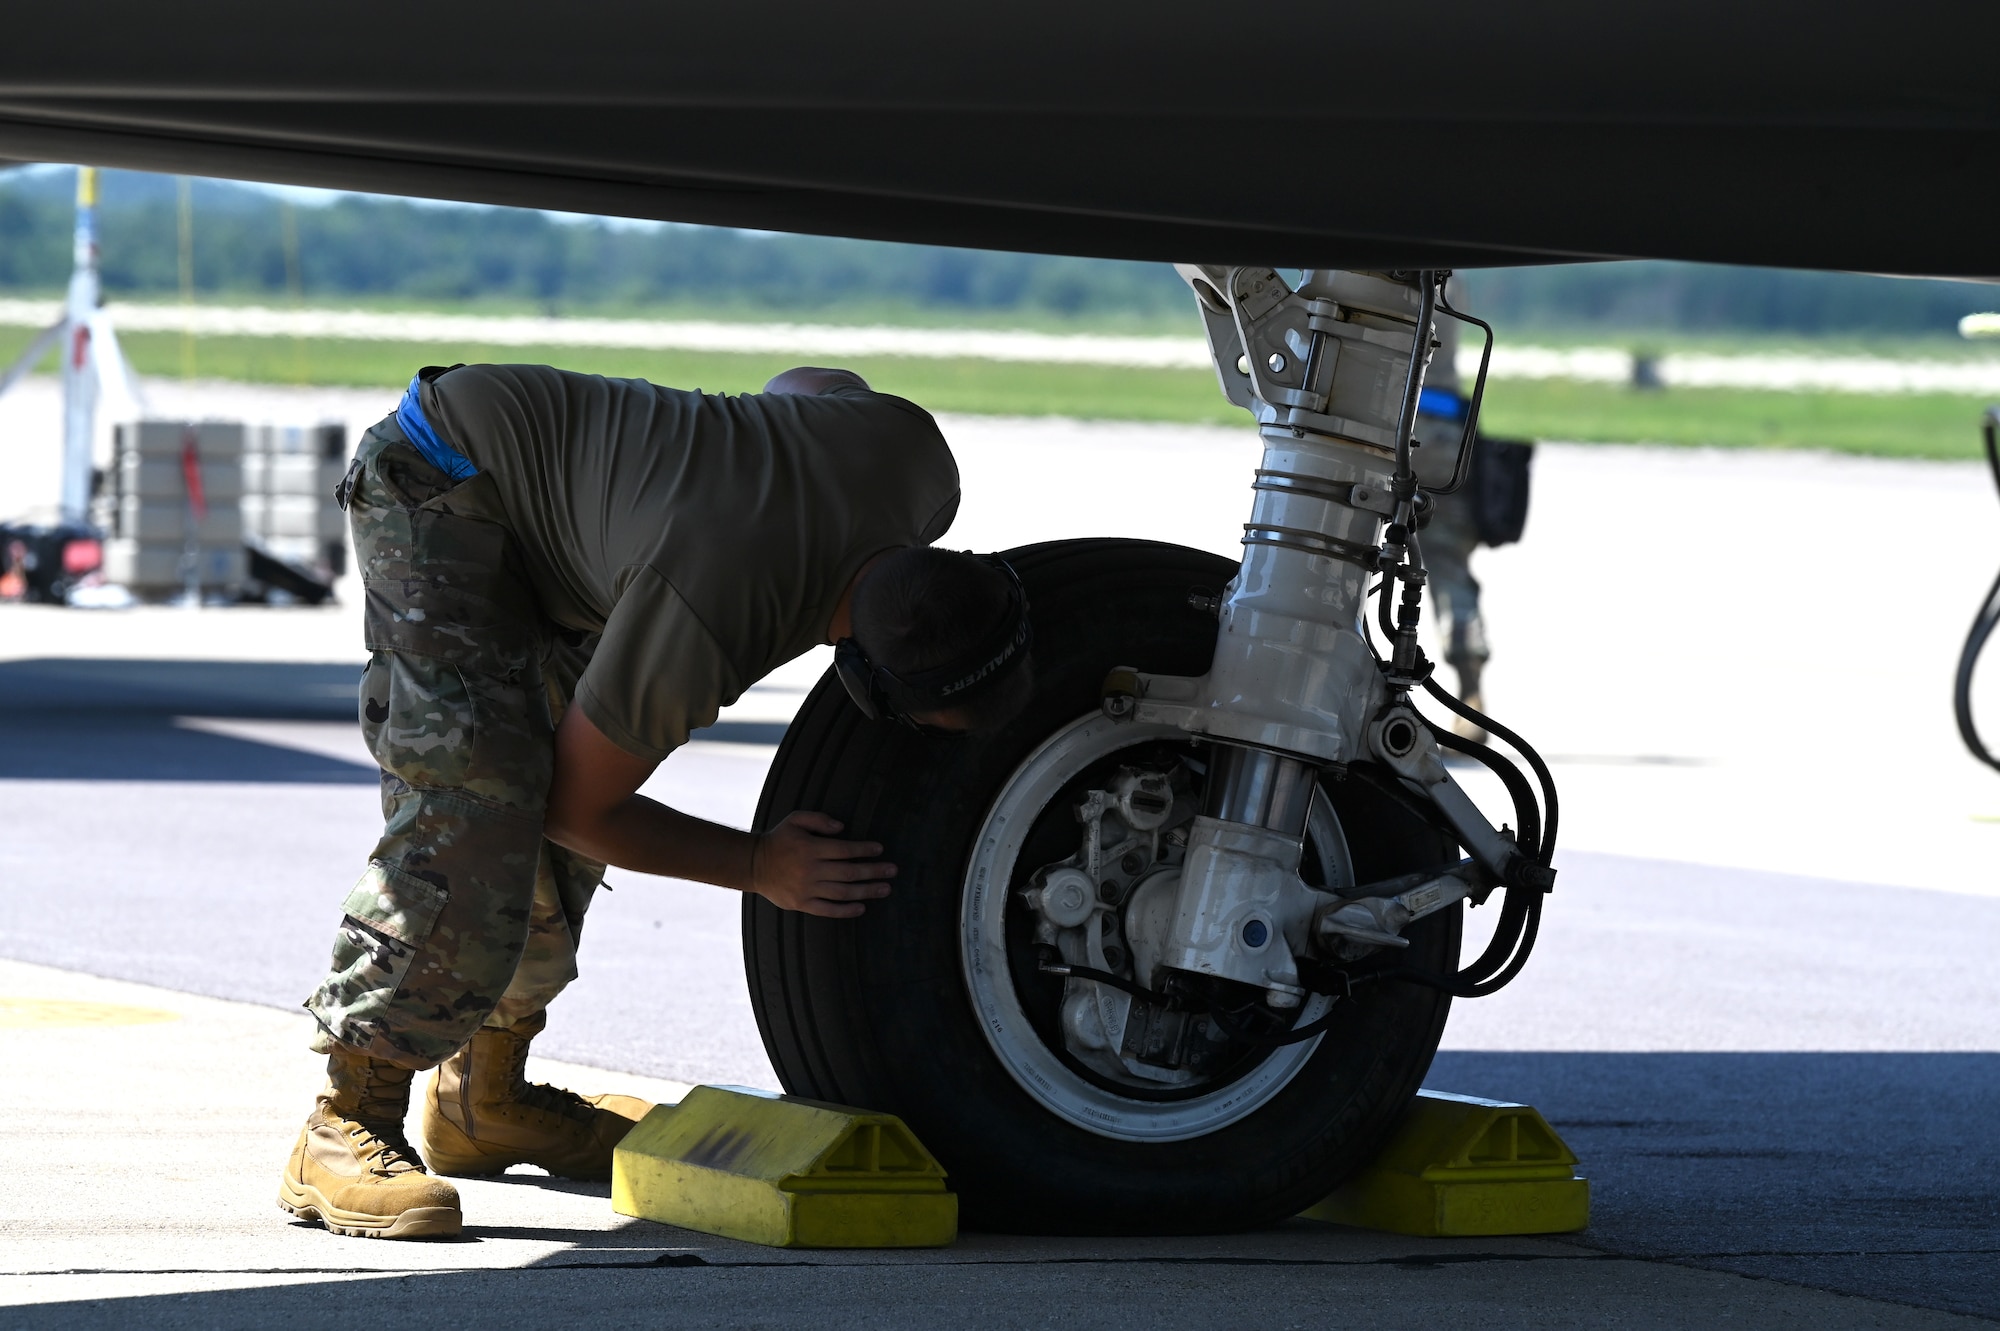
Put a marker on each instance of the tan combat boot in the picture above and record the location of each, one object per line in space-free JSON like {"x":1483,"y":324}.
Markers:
{"x":481,"y":1114}
{"x":353,"y":1171}
{"x":1469,"y":693}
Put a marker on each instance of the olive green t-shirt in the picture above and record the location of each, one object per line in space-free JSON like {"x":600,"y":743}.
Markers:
{"x":707,"y":538}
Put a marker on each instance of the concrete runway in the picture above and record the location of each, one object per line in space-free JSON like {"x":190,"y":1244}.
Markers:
{"x":214,"y":1252}
{"x":1762,"y":1010}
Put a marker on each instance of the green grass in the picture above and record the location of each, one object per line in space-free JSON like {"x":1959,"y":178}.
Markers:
{"x":978,"y":386}
{"x":1894,"y":346}
{"x":1900,"y":425}
{"x":1914,"y":425}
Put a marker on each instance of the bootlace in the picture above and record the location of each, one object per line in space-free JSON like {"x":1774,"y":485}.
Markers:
{"x":374,"y":1123}
{"x":384,"y":1147}
{"x":385,"y":1094}
{"x":541,"y":1095}
{"x":554,"y":1099}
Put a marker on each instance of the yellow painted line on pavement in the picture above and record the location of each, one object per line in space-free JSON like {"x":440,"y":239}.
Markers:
{"x":20,"y":1012}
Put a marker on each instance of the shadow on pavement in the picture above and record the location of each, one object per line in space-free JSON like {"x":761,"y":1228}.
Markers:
{"x":135,"y":746}
{"x":99,"y":720}
{"x":263,"y":690}
{"x":1875,"y":1175}
{"x":107,"y":720}
{"x":1871,"y":1174}
{"x":891,"y":1295}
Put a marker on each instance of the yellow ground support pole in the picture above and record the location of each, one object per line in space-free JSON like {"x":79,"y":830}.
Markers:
{"x":1461,"y":1166}
{"x":784,"y":1172}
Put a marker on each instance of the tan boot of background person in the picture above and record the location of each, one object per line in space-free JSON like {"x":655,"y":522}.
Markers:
{"x":481,"y":1114}
{"x":352,"y":1169}
{"x":1469,"y":694}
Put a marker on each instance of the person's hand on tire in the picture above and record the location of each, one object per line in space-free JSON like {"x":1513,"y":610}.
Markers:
{"x":800,"y":865}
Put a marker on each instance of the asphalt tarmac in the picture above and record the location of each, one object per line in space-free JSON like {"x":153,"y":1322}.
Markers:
{"x":111,"y":1221}
{"x":1762,"y":1010}
{"x":1795,"y":1085}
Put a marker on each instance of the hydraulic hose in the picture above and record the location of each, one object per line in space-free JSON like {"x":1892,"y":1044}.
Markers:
{"x":1384,"y":611}
{"x":1525,"y":813}
{"x":1053,"y":964}
{"x":1983,"y":623}
{"x":1404,"y":482}
{"x":1521,"y":914}
{"x":1513,"y":923}
{"x":1221,"y":1016}
{"x":1520,"y":921}
{"x":1545,"y":853}
{"x":1468,"y":983}
{"x":1536,"y":841}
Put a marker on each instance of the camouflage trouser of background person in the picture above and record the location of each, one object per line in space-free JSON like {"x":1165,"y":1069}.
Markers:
{"x":464,"y":915}
{"x":1449,"y":540}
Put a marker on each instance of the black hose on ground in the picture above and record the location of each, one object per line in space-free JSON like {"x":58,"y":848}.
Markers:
{"x":1983,"y":623}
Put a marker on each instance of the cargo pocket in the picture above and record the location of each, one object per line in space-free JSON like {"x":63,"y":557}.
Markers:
{"x":513,"y":760}
{"x":398,"y":904}
{"x":448,"y":584}
{"x":418,"y":719}
{"x":385,"y":922}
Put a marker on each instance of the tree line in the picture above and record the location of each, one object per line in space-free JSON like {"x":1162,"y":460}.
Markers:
{"x":250,"y":244}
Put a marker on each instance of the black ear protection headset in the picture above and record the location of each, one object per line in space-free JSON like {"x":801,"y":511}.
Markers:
{"x":882,"y":694}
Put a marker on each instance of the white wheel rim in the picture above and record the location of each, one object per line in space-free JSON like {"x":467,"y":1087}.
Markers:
{"x":983,"y":952}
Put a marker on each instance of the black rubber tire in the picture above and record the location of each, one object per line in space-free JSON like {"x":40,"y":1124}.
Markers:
{"x":875,"y":1012}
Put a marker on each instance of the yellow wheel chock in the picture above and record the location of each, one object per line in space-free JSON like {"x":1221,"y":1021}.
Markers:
{"x":1458,"y":1166}
{"x":788,"y":1172}
{"x":784,"y":1172}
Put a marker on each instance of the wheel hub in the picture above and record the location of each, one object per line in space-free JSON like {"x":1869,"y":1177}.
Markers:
{"x":1162,"y":1063}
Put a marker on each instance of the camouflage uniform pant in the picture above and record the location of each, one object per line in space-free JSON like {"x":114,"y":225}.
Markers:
{"x":1449,"y":540}
{"x":465,"y":914}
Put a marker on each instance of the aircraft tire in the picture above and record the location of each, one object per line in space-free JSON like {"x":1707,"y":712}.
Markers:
{"x":879,"y":1012}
